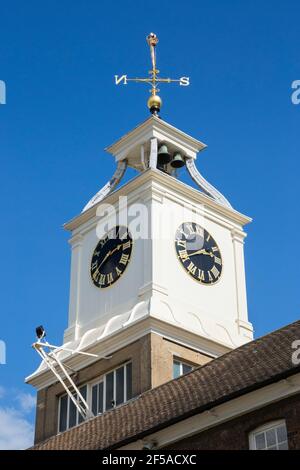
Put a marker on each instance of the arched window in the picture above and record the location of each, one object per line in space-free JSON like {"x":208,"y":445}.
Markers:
{"x":270,"y":436}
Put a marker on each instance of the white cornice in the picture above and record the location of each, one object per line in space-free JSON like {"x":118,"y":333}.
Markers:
{"x":168,"y":182}
{"x":154,"y":127}
{"x":114,"y":342}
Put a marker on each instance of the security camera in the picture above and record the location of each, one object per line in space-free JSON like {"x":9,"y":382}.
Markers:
{"x":40,"y":332}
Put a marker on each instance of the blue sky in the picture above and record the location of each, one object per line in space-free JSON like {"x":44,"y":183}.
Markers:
{"x":58,"y":60}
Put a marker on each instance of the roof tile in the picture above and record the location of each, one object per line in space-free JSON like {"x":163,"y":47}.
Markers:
{"x":246,"y":368}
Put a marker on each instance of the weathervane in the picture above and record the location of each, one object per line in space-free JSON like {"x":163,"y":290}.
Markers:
{"x":154,"y":102}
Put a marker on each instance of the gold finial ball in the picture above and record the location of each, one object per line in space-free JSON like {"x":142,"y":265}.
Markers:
{"x":154,"y":102}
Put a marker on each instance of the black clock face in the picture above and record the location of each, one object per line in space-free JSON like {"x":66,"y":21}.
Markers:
{"x":111,"y":257}
{"x":198,"y":253}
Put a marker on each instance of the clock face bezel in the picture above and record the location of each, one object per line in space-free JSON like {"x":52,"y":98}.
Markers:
{"x":128,"y":252}
{"x":184,"y":264}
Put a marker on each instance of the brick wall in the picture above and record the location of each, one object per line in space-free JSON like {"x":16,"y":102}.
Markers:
{"x":233,"y":435}
{"x":152,"y":365}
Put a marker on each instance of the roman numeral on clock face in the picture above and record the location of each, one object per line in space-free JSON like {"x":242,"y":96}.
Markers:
{"x":198,"y":253}
{"x":181,"y":243}
{"x":94,"y":265}
{"x":190,"y":229}
{"x":126,"y":245}
{"x":102,"y":242}
{"x":199,"y":230}
{"x":192,"y":268}
{"x":118,"y":271}
{"x":183,"y":254}
{"x":124,"y":259}
{"x":215,"y":272}
{"x":111,"y":257}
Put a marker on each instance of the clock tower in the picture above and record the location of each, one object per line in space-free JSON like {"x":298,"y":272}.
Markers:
{"x":157,"y":275}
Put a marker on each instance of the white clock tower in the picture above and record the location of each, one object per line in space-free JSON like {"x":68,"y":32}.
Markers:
{"x":166,"y":293}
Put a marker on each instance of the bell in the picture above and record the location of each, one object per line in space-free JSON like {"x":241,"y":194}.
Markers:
{"x":177,"y":161}
{"x":163,"y":156}
{"x":162,"y":168}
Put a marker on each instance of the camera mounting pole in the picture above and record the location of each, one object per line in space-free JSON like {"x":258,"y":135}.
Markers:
{"x":59,"y":370}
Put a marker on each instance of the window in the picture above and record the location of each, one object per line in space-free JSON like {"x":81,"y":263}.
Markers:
{"x":113,"y":389}
{"x":180,"y":368}
{"x":68,"y":413}
{"x":272,"y":436}
{"x":97,"y":398}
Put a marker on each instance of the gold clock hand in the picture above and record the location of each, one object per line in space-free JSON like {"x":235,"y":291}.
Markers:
{"x":116,"y":249}
{"x":201,"y":252}
{"x":109,"y":253}
{"x":208,"y":253}
{"x":105,"y":258}
{"x":198,"y":252}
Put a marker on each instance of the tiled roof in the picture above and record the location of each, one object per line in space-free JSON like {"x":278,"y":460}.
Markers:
{"x":249,"y":367}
